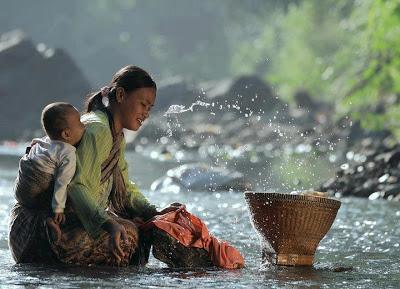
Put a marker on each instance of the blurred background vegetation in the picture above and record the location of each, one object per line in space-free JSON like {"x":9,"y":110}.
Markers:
{"x":346,"y":52}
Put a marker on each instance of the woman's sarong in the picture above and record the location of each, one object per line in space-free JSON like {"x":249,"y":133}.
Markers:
{"x":31,"y":242}
{"x":78,"y":248}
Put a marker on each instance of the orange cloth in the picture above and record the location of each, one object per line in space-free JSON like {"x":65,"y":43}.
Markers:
{"x":190,"y":231}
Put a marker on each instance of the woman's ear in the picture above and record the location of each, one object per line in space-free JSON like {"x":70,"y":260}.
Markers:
{"x":119,"y":94}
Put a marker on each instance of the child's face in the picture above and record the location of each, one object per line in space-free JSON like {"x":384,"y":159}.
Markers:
{"x":135,"y":107}
{"x":75,"y":129}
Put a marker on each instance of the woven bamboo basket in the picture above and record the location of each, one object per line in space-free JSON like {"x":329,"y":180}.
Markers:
{"x":290,"y":226}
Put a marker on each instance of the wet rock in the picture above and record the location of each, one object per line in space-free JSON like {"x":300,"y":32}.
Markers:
{"x":342,"y":269}
{"x":32,"y":76}
{"x":175,"y":255}
{"x":391,"y":190}
{"x":201,"y":177}
{"x":245,"y":95}
{"x":357,"y":134}
{"x":306,"y":111}
{"x":392,"y":158}
{"x":377,"y":178}
{"x":304,"y":100}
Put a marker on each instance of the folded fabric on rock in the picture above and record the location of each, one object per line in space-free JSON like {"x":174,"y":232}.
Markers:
{"x":190,"y":231}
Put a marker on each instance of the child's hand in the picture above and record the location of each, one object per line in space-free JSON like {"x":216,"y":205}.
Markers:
{"x":59,"y":218}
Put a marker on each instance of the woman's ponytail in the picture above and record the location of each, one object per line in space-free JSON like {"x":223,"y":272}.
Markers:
{"x":95,"y":102}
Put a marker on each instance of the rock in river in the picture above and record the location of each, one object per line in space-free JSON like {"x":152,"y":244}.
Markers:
{"x":31,"y":76}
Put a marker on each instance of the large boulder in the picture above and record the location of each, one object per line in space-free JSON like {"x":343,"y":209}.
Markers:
{"x":174,"y":91}
{"x":245,"y":95}
{"x":30,"y":77}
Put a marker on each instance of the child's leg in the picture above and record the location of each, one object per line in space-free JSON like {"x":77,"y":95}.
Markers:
{"x":55,"y":230}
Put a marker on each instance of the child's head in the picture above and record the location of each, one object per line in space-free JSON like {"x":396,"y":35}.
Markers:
{"x":61,"y":121}
{"x":131,"y":95}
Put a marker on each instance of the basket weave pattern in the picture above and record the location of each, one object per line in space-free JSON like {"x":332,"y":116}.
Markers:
{"x":290,"y":226}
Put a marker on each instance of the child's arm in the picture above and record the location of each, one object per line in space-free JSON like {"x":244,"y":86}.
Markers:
{"x":65,"y":172}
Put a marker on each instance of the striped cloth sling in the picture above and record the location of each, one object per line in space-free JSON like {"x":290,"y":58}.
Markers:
{"x":110,"y":168}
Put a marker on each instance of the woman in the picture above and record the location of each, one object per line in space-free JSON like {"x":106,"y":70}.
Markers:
{"x":104,"y":206}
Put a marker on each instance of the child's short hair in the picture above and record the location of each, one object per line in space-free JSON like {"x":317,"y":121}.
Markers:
{"x":54,"y":119}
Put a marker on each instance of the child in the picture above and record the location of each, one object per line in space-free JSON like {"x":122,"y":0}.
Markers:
{"x":51,"y":160}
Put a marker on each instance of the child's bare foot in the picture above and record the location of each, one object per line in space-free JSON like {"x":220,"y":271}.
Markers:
{"x":54,"y":230}
{"x":59,"y":218}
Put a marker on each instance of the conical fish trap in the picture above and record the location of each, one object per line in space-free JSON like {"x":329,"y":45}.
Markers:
{"x":290,"y":226}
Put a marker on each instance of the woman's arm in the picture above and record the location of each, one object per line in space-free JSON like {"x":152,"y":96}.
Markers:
{"x":85,"y":190}
{"x":137,"y":205}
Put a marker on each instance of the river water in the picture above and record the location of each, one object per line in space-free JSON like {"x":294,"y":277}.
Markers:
{"x":364,"y":237}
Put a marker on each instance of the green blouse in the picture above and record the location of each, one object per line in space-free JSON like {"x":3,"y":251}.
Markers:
{"x":89,"y":198}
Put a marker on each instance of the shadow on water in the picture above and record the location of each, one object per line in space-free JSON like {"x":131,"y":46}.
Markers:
{"x":313,"y":276}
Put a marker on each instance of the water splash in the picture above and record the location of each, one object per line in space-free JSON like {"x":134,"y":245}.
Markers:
{"x":176,"y":108}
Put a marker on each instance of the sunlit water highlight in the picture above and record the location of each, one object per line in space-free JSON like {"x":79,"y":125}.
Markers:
{"x":365,"y":236}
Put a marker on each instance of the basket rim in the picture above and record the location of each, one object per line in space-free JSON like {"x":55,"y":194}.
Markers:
{"x":287,"y":196}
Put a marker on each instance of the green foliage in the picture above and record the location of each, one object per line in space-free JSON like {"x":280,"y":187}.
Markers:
{"x":347,"y":52}
{"x":296,"y":48}
{"x":377,"y":79}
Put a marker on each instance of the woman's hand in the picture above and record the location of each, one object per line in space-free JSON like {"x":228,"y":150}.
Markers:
{"x":117,"y":233}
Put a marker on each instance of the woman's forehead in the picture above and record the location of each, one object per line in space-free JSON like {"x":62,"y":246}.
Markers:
{"x":147,"y":94}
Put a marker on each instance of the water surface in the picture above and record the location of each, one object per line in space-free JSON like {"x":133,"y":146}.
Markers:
{"x":365,"y":236}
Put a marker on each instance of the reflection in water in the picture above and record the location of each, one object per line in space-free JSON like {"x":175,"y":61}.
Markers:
{"x":293,"y":275}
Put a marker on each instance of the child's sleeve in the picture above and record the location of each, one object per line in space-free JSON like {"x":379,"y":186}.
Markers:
{"x":85,"y":191}
{"x":138,"y":205}
{"x":63,"y":176}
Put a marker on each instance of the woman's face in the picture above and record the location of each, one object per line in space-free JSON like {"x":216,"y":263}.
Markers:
{"x":135,"y":107}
